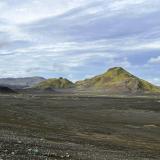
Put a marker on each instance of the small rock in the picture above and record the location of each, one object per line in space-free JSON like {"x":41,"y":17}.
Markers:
{"x":67,"y":155}
{"x":13,"y":153}
{"x":36,"y":150}
{"x":29,"y":149}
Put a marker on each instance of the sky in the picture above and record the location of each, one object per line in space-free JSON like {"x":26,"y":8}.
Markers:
{"x":78,"y":39}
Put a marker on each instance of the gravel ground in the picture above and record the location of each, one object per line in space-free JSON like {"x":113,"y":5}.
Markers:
{"x":44,"y":127}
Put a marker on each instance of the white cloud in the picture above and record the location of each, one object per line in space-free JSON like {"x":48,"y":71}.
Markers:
{"x":48,"y":37}
{"x":156,"y":81}
{"x":32,"y":10}
{"x":123,"y":4}
{"x":155,"y":60}
{"x":136,"y":43}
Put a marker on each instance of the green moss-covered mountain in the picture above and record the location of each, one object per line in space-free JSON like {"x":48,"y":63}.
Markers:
{"x":115,"y":80}
{"x":118,"y":80}
{"x":55,"y":83}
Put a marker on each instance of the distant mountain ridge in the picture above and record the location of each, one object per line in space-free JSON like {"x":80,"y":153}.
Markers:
{"x":19,"y":83}
{"x":115,"y":80}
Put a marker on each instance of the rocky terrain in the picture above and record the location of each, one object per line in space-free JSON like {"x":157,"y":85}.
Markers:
{"x":69,"y":127}
{"x":57,"y":119}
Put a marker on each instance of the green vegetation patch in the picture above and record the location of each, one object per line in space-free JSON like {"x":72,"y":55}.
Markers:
{"x":55,"y":83}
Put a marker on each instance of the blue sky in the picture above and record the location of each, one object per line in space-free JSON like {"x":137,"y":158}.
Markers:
{"x":78,"y":39}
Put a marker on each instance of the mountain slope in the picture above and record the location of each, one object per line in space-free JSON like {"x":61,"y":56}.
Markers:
{"x":118,"y":80}
{"x":6,"y":90}
{"x":55,"y":83}
{"x":18,"y":83}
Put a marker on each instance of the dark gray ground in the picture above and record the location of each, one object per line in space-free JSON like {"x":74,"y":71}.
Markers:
{"x":45,"y":127}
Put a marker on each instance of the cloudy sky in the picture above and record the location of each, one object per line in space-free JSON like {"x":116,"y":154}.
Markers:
{"x":79,"y":38}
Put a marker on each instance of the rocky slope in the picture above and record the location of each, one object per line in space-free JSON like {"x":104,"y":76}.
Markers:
{"x":117,"y":80}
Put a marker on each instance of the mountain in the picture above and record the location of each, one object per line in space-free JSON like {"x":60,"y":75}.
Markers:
{"x":6,"y":90}
{"x":117,"y":80}
{"x":55,"y":83}
{"x":19,"y":83}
